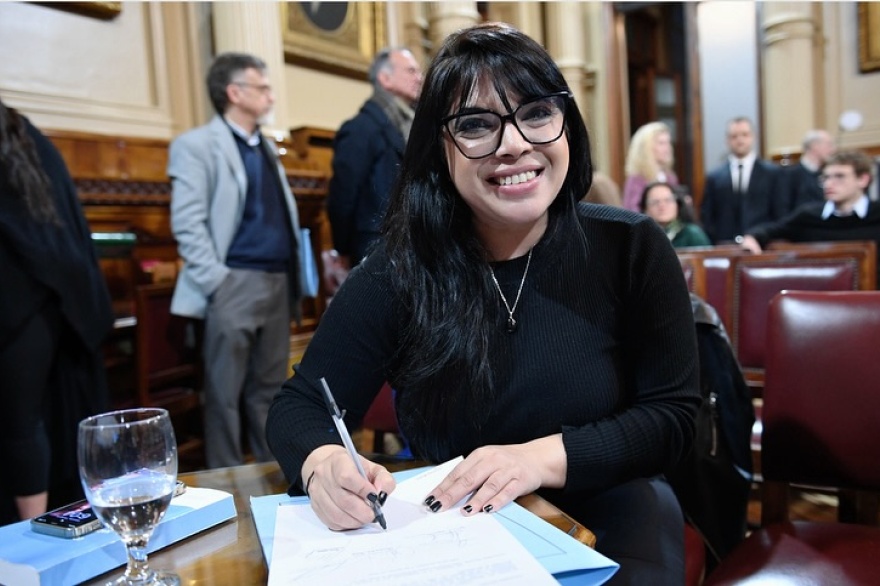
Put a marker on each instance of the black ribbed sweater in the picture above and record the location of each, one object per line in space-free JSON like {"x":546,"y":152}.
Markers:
{"x":604,"y":352}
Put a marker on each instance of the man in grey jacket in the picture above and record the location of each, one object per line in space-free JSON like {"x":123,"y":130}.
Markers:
{"x":237,"y":229}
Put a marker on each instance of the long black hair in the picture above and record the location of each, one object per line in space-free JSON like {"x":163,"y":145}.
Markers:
{"x":21,"y":168}
{"x":440,"y":267}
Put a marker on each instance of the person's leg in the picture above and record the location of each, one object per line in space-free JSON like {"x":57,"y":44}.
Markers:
{"x":640,"y":526}
{"x":229,"y":335}
{"x":25,"y":367}
{"x":270,"y":357}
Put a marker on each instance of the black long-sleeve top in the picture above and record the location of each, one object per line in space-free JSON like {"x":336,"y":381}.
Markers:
{"x":805,"y":224}
{"x":604,"y":352}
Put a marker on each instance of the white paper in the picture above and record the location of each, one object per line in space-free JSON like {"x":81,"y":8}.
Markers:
{"x":419,"y":547}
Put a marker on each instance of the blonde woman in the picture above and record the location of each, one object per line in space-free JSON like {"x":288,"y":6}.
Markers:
{"x":649,"y":159}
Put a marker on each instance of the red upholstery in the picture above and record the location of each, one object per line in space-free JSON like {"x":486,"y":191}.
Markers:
{"x":820,"y":428}
{"x":804,"y":553}
{"x":822,"y":404}
{"x":379,"y":418}
{"x":757,"y":280}
{"x":694,"y":556}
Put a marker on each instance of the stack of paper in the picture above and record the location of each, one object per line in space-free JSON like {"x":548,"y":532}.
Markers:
{"x":511,"y":546}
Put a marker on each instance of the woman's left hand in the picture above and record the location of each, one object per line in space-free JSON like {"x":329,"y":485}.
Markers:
{"x":499,"y":474}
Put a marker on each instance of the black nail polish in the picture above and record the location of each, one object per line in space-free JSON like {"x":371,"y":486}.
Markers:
{"x":468,"y":508}
{"x":429,"y":500}
{"x":372,"y":497}
{"x":487,"y":509}
{"x":435,"y":506}
{"x":382,"y":497}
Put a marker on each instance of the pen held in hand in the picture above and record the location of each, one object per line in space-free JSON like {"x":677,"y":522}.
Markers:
{"x":336,"y":414}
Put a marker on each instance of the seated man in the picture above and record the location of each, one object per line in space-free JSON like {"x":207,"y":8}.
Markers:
{"x":846,"y":213}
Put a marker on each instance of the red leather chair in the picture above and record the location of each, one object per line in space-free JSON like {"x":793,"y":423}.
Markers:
{"x":821,"y":429}
{"x":379,"y":419}
{"x":169,"y":368}
{"x":694,"y":556}
{"x":753,"y":283}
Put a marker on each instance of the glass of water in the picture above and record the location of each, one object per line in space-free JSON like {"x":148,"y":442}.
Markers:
{"x":128,"y":469}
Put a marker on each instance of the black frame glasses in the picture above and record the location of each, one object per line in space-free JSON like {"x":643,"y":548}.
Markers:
{"x":495,"y":134}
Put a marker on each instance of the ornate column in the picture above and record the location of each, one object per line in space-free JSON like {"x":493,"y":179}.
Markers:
{"x":793,"y":80}
{"x":412,"y":26}
{"x":571,"y":27}
{"x":255,"y":27}
{"x":526,"y":16}
{"x":445,"y":18}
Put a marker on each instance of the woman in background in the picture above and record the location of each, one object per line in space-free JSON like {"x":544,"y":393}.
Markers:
{"x":54,"y":314}
{"x":547,"y":341}
{"x":668,"y":207}
{"x":650,"y":158}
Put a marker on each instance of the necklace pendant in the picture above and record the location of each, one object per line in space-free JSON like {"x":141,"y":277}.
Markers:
{"x":511,"y":325}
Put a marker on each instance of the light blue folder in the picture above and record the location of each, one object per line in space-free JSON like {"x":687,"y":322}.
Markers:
{"x":570,"y":561}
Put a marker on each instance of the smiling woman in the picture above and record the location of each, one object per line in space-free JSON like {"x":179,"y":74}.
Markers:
{"x":550,"y":343}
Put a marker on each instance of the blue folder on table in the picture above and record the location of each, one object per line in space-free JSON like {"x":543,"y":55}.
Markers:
{"x":570,"y":561}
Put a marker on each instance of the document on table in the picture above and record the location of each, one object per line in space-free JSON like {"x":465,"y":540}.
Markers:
{"x":419,"y":547}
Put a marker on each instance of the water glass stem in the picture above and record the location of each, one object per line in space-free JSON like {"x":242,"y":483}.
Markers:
{"x":137,"y":570}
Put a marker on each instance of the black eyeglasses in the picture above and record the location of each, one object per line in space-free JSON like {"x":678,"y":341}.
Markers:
{"x":477,"y":133}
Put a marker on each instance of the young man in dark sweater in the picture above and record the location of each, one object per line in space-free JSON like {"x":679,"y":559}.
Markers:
{"x":846,"y":213}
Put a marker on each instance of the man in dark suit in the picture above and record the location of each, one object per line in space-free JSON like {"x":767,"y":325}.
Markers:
{"x":802,"y":180}
{"x":367,"y":152}
{"x":742,"y":192}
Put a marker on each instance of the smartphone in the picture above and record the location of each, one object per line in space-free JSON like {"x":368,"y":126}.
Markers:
{"x":73,"y":520}
{"x":76,"y":519}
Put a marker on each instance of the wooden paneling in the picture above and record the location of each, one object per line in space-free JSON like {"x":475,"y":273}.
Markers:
{"x":94,"y":156}
{"x":123,"y":185}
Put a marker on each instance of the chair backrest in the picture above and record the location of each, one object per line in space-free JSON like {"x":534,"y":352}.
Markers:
{"x":754,"y":280}
{"x":821,"y":398}
{"x":694,"y":273}
{"x":167,"y":351}
{"x":381,"y":417}
{"x":706,"y":269}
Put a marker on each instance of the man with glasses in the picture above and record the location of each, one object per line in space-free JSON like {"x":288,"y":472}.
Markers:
{"x":237,"y":229}
{"x":367,"y":152}
{"x":846,"y":213}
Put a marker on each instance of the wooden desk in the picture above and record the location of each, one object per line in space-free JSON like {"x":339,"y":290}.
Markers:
{"x":230,"y":553}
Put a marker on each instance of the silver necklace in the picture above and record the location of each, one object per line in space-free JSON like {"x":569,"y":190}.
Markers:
{"x":511,"y":322}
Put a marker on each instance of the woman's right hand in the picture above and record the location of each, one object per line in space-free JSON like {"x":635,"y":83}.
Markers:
{"x":339,"y":495}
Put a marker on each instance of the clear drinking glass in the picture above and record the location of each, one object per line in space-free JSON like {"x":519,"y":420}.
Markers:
{"x":128,"y":468}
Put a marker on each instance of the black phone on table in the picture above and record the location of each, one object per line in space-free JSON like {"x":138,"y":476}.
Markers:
{"x":76,"y":519}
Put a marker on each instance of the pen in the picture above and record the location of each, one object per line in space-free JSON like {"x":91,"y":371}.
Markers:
{"x":349,"y":445}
